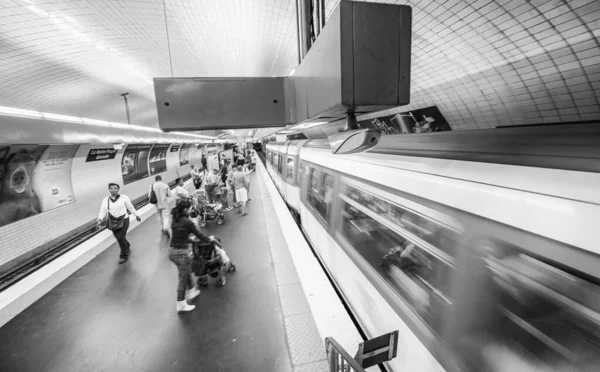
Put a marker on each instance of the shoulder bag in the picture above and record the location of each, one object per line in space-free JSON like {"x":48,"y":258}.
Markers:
{"x":114,"y":223}
{"x":153,"y":199}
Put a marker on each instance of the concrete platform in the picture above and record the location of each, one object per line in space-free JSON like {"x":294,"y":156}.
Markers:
{"x":110,"y":317}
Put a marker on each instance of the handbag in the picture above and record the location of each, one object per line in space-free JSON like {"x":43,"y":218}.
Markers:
{"x":114,"y":223}
{"x":153,"y":199}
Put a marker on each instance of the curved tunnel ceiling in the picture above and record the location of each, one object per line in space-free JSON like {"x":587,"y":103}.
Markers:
{"x":483,"y":63}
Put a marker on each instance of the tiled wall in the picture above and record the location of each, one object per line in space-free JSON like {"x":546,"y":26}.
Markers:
{"x":90,"y":182}
{"x":486,"y":63}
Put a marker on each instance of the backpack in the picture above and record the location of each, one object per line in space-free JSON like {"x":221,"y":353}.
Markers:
{"x":153,"y":199}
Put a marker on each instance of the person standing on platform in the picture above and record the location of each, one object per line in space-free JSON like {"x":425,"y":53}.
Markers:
{"x":196,"y":177}
{"x":253,"y":157}
{"x":224,"y":187}
{"x":180,"y":192}
{"x":203,"y":160}
{"x":247,"y":170}
{"x":213,"y":192}
{"x":230,"y":183}
{"x":115,"y":207}
{"x":162,"y":192}
{"x":240,"y":184}
{"x":181,"y":255}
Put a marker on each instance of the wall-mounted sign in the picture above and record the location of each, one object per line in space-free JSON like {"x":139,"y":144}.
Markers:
{"x":134,"y":165}
{"x":424,"y":120}
{"x":158,"y":158}
{"x":175,"y":148}
{"x":101,"y":154}
{"x":34,"y":179}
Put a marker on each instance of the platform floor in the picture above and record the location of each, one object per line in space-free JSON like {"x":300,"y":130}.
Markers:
{"x":110,"y":317}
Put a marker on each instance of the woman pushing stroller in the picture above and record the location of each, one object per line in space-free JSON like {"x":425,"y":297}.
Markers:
{"x":181,"y":254}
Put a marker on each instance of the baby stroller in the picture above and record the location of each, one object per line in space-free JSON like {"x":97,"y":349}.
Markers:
{"x":209,"y":259}
{"x":207,"y":212}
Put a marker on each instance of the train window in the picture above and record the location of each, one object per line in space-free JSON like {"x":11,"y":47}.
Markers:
{"x":280,"y":164}
{"x":290,"y":170}
{"x":320,"y":192}
{"x":530,"y":311}
{"x":303,"y":171}
{"x":414,"y":226}
{"x":275,"y":161}
{"x":413,"y":269}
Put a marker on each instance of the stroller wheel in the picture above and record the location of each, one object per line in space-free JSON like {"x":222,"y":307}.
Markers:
{"x":231,"y":268}
{"x":220,"y":222}
{"x":222,"y":281}
{"x":203,"y":281}
{"x":202,"y":224}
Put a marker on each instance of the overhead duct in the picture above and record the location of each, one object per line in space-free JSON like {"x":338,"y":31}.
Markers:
{"x":360,"y":63}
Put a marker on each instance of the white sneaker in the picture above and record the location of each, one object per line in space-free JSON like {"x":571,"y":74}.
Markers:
{"x":183,"y":306}
{"x":192,"y":293}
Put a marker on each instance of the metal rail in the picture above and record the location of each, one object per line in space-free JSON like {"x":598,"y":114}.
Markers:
{"x":35,"y":263}
{"x":338,"y":359}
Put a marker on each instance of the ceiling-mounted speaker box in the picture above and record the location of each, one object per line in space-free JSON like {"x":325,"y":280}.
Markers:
{"x":359,"y":63}
{"x":190,"y":104}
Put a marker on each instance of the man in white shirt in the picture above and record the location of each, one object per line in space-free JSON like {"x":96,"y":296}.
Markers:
{"x":117,"y":205}
{"x":179,"y":191}
{"x":162,"y":192}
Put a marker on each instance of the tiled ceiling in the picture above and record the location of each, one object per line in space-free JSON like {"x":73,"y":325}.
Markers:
{"x":482,"y":62}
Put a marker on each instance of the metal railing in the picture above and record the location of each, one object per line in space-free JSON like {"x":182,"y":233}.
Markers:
{"x":338,"y":359}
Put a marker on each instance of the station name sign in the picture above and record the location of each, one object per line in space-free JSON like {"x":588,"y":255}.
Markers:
{"x":101,"y":154}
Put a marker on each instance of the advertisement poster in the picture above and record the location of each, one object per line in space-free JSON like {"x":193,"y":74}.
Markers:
{"x":158,"y":158}
{"x":101,"y":154}
{"x":34,"y":179}
{"x":134,"y":165}
{"x":184,"y":154}
{"x":425,"y":120}
{"x":227,"y":154}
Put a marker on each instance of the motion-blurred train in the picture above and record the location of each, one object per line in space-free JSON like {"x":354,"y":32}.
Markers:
{"x":481,"y":248}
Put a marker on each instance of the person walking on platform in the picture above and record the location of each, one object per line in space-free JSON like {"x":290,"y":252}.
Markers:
{"x":162,"y":192}
{"x":181,"y":255}
{"x":115,"y":208}
{"x":240,"y":184}
{"x":196,"y":177}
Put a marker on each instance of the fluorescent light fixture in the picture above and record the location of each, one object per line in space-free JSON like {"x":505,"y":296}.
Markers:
{"x":11,"y":111}
{"x":292,"y":72}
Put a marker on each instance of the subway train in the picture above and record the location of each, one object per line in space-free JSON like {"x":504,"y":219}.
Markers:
{"x":479,"y":247}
